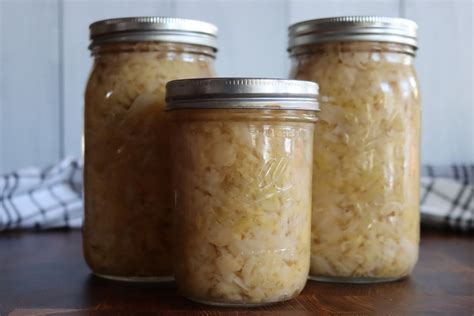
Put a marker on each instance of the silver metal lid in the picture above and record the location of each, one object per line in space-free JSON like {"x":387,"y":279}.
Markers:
{"x":353,"y":28}
{"x":161,"y":29}
{"x":242,"y":93}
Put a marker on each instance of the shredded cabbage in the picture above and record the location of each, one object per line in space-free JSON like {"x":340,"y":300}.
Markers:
{"x":127,"y":229}
{"x":365,"y":220}
{"x":243,"y":206}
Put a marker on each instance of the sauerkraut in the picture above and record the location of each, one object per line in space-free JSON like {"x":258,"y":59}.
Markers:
{"x":243,"y":206}
{"x":365,"y":220}
{"x":127,"y":228}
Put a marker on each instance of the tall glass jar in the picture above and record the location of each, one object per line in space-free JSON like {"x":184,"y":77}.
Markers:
{"x":242,"y":183}
{"x":365,"y":221}
{"x":127,"y":227}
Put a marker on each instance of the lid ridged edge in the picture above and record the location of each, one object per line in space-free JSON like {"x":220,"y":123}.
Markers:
{"x":153,"y":28}
{"x":242,"y":93}
{"x":355,"y":28}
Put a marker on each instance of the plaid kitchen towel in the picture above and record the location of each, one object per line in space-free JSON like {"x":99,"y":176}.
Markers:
{"x":447,"y":196}
{"x":48,"y":198}
{"x":52,"y":198}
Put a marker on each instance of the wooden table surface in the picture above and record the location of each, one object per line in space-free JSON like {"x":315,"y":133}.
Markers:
{"x":43,"y":273}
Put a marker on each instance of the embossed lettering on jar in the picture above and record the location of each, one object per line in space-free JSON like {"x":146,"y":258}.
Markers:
{"x":127,"y":228}
{"x":365,"y":221}
{"x":242,"y":179}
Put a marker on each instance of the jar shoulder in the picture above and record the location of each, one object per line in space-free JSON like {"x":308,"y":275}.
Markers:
{"x":128,"y":75}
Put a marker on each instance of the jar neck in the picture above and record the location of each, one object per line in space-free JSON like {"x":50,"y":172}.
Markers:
{"x":224,"y":114}
{"x":404,"y":51}
{"x":168,"y":49}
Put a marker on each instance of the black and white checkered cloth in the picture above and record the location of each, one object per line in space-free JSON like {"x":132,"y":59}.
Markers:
{"x":447,"y":196}
{"x":42,"y":199}
{"x":52,"y":198}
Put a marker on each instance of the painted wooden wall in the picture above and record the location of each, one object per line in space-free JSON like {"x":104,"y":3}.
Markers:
{"x":44,"y":63}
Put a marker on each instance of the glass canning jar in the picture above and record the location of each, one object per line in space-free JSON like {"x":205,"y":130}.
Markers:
{"x":127,"y":227}
{"x":242,"y":153}
{"x":365,"y":220}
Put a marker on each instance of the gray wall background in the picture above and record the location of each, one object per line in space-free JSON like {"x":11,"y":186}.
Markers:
{"x":45,"y":63}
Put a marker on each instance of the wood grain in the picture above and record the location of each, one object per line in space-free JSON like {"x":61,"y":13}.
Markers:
{"x":44,"y":274}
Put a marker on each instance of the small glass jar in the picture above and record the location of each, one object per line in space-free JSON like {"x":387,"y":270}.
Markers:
{"x":127,"y":226}
{"x":365,"y":221}
{"x":242,"y":153}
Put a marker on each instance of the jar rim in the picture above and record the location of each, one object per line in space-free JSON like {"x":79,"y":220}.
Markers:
{"x":345,"y":46}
